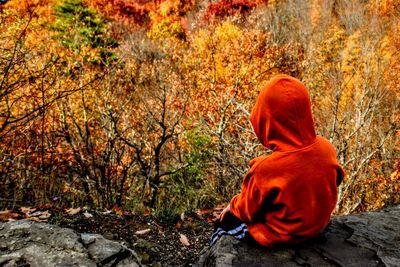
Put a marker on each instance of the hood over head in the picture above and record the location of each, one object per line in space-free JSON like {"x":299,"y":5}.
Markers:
{"x":281,"y":117}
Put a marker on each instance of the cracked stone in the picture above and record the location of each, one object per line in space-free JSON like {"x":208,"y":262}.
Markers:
{"x":50,"y":245}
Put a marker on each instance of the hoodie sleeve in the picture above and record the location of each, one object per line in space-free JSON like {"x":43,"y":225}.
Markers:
{"x":247,"y":205}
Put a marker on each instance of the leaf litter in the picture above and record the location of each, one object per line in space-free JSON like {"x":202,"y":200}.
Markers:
{"x":176,"y":243}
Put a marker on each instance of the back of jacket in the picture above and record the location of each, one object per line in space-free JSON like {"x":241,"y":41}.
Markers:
{"x":288,"y":196}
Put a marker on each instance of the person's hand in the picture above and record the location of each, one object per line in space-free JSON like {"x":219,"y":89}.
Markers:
{"x":224,"y":212}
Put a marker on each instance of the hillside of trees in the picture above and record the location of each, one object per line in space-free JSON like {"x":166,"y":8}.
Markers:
{"x":144,"y":105}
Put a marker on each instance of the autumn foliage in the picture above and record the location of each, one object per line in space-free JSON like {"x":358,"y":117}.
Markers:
{"x":134,"y":12}
{"x":137,"y":104}
{"x":224,"y":8}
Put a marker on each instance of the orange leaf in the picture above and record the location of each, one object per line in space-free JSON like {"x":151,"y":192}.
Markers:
{"x":118,"y":210}
{"x":66,"y":188}
{"x":146,"y":212}
{"x":178,"y":225}
{"x":5,"y":215}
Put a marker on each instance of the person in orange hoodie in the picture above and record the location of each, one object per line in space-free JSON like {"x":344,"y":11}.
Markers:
{"x":288,"y":196}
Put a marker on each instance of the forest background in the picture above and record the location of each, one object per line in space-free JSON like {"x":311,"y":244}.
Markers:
{"x":144,"y":105}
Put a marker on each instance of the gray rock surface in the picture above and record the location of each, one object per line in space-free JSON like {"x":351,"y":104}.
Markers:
{"x":367,"y":239}
{"x":26,"y":243}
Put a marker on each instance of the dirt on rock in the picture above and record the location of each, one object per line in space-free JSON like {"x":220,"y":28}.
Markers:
{"x":174,"y":243}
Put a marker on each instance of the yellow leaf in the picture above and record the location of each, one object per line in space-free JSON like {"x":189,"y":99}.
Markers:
{"x":73,"y":211}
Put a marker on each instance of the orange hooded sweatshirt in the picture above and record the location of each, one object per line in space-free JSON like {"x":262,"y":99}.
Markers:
{"x":289,"y":195}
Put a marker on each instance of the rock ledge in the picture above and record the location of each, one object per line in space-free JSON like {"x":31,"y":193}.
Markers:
{"x":366,"y":239}
{"x":26,"y":243}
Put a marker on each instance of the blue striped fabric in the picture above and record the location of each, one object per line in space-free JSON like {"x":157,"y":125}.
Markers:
{"x":238,"y":233}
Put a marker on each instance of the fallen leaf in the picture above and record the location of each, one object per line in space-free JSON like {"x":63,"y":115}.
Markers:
{"x":202,"y":212}
{"x":66,"y":188}
{"x":146,"y":212}
{"x":118,"y":210}
{"x":36,"y":219}
{"x":27,"y":209}
{"x":33,"y":214}
{"x":184,"y":240}
{"x":73,"y":211}
{"x":178,"y":225}
{"x":45,"y":215}
{"x":87,"y":215}
{"x":107,"y":212}
{"x":5,"y":215}
{"x":182,"y":216}
{"x":41,"y":216}
{"x":143,"y":232}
